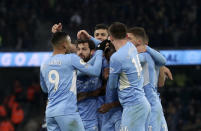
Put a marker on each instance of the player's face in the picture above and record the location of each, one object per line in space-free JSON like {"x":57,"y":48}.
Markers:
{"x":133,"y":39}
{"x":101,"y":34}
{"x":67,"y":47}
{"x":67,"y":44}
{"x":73,"y":48}
{"x":84,"y":51}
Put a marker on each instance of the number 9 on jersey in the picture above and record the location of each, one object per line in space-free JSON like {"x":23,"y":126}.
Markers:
{"x":53,"y":77}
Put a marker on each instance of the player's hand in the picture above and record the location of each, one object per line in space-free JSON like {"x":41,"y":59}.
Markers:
{"x":168,"y":73}
{"x":141,"y":48}
{"x":106,"y":73}
{"x":56,"y":28}
{"x":96,"y":93}
{"x":83,"y":34}
{"x":104,"y":108}
{"x":82,"y":96}
{"x":103,"y":44}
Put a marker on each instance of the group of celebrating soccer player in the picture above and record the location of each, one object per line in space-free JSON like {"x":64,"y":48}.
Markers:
{"x":104,"y":83}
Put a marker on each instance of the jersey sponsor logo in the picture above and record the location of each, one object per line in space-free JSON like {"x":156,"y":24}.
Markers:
{"x":82,"y":62}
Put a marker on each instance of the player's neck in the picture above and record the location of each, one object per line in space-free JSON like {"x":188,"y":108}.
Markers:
{"x":119,"y":43}
{"x":58,"y":51}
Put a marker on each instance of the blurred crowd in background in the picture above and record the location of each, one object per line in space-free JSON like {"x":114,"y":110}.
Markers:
{"x":22,"y":103}
{"x":24,"y":25}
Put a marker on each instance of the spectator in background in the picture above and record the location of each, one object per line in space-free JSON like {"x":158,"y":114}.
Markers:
{"x":76,"y":19}
{"x":5,"y":123}
{"x":167,"y":22}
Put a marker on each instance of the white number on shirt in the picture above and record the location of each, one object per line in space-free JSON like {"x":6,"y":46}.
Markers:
{"x":137,"y":65}
{"x":54,"y":81}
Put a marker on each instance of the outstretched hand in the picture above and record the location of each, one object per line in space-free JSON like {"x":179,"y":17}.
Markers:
{"x":82,"y":96}
{"x":103,"y":45}
{"x":168,"y":73}
{"x":141,"y":48}
{"x":104,"y":108}
{"x":56,"y":28}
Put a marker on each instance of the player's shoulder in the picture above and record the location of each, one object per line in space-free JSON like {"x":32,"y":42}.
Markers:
{"x":72,"y":55}
{"x":148,"y":56}
{"x":144,"y":54}
{"x":45,"y":63}
{"x":115,"y":56}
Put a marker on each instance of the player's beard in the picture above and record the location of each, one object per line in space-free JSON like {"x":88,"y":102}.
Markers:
{"x":86,"y":59}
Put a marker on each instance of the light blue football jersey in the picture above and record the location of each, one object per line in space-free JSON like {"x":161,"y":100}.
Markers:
{"x":126,"y":75}
{"x":88,"y":107}
{"x":158,"y":58}
{"x":58,"y":79}
{"x":86,"y":83}
{"x":148,"y":68}
{"x":111,"y":118}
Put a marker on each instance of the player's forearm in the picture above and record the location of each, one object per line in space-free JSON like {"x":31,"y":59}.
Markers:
{"x":86,"y":68}
{"x":115,"y":104}
{"x":97,"y":42}
{"x":161,"y":79}
{"x":96,"y":70}
{"x":91,"y":62}
{"x":158,"y":58}
{"x":96,"y":93}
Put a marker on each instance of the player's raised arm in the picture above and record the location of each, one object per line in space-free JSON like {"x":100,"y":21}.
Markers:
{"x":158,"y":57}
{"x":96,"y":41}
{"x":90,"y":62}
{"x":56,"y":28}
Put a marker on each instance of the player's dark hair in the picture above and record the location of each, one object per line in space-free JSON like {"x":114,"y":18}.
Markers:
{"x":138,"y":32}
{"x":90,"y":43}
{"x":101,"y":26}
{"x":109,"y":51}
{"x":59,"y":38}
{"x":118,"y":30}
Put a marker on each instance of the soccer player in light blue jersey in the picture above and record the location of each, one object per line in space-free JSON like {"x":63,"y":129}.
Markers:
{"x":161,"y":74}
{"x":137,"y":36}
{"x":58,"y":79}
{"x":100,"y":34}
{"x":86,"y":83}
{"x":111,"y":118}
{"x":111,"y":107}
{"x":126,"y":77}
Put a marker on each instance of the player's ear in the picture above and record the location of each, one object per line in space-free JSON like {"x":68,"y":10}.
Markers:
{"x":110,"y":38}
